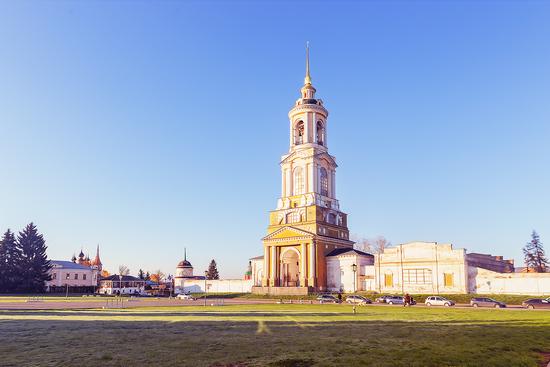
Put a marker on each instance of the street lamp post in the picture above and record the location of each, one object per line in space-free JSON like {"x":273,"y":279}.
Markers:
{"x":205,"y":276}
{"x":354,"y":268}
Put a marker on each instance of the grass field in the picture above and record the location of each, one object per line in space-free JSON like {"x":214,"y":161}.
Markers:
{"x":275,"y":335}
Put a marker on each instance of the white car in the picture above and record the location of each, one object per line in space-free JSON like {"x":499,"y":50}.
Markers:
{"x":438,"y":301}
{"x":185,"y":296}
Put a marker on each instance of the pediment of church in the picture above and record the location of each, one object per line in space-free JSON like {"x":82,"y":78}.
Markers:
{"x":308,"y":153}
{"x":286,"y":233}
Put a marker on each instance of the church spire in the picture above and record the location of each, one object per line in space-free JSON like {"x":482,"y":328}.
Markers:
{"x":307,"y":79}
{"x":185,"y":253}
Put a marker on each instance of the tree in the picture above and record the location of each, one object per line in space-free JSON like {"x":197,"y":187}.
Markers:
{"x":533,"y":252}
{"x":141,"y":274}
{"x":10,"y":258}
{"x":34,"y":266}
{"x":123,"y":270}
{"x":372,"y":245}
{"x":212,"y":271}
{"x":147,"y":276}
{"x":157,"y":276}
{"x":105,"y":273}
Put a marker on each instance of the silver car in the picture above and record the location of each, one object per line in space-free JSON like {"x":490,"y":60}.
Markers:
{"x":438,"y":301}
{"x":355,"y":299}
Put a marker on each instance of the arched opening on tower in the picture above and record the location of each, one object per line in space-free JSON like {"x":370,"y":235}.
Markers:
{"x":298,"y":181}
{"x":299,"y":133}
{"x":320,"y":133}
{"x":290,"y":268}
{"x":324,"y":181}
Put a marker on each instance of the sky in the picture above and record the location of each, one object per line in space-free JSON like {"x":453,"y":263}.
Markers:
{"x":150,"y":126}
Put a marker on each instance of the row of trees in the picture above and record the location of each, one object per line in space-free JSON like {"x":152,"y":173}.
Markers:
{"x":24,"y":266}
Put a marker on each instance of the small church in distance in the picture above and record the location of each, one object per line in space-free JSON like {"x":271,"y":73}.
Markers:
{"x":307,"y":226}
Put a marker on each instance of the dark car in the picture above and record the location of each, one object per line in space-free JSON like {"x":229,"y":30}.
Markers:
{"x":486,"y":302}
{"x":536,"y":303}
{"x":327,"y":298}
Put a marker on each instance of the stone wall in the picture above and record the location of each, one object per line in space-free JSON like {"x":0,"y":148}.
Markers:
{"x":485,"y":281}
{"x":217,"y":286}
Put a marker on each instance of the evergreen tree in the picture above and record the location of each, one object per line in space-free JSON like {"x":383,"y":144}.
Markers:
{"x":141,"y":274}
{"x":34,"y":266}
{"x":147,"y":276}
{"x":534,"y":255}
{"x":213,"y":271}
{"x":10,"y":258}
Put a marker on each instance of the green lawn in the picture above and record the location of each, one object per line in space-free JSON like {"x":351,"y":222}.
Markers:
{"x":274,"y":335}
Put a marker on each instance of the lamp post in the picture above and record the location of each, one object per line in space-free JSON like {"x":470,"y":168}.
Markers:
{"x":354,"y":269}
{"x":205,"y":291}
{"x":120,"y":285}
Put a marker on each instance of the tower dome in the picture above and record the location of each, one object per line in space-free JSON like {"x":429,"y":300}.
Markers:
{"x":184,"y":268}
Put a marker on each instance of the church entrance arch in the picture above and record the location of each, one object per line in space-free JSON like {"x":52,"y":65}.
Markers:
{"x":290,"y":267}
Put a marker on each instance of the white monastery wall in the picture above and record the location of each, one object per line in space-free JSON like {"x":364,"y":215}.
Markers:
{"x":218,"y":286}
{"x":484,"y":281}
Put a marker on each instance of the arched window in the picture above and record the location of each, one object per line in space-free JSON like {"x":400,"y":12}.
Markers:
{"x":299,"y":133}
{"x":293,"y":217}
{"x":320,"y":133}
{"x":298,"y":181}
{"x":324,"y":182}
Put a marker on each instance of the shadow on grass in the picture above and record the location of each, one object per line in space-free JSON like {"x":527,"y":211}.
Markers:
{"x":272,"y":343}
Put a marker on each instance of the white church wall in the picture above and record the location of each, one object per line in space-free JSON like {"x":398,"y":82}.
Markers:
{"x":483,"y":281}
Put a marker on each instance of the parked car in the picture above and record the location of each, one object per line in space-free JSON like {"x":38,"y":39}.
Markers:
{"x":438,"y":301}
{"x":395,"y":300}
{"x":382,"y":299}
{"x":355,"y":299}
{"x":486,"y":302}
{"x":536,"y":303}
{"x":185,"y":296}
{"x":327,"y":298}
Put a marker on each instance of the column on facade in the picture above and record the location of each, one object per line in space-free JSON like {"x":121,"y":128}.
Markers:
{"x":288,"y":176}
{"x":307,"y":121}
{"x":266,"y":274}
{"x":333,"y":184}
{"x":273,"y":267}
{"x":312,"y":264}
{"x":314,"y":127}
{"x":303,"y":265}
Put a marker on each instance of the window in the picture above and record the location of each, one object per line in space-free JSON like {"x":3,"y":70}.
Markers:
{"x":68,"y":276}
{"x":388,"y":280}
{"x":299,"y":133}
{"x":54,"y":276}
{"x":320,"y":133}
{"x":298,"y":181}
{"x":76,"y":276}
{"x":324,"y":182}
{"x":83,"y":276}
{"x":448,"y":279}
{"x":417,"y":276}
{"x":293,"y":217}
{"x":331,"y":218}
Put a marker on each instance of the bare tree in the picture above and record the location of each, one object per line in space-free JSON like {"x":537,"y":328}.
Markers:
{"x":123,"y":270}
{"x":374,"y":245}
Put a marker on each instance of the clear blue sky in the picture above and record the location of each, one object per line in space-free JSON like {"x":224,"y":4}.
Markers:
{"x":150,"y":126}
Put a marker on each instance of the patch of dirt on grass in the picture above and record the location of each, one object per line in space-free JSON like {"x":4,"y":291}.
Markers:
{"x":545,"y":359}
{"x":292,"y":362}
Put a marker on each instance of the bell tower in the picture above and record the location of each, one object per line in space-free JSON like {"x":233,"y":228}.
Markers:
{"x":307,"y":223}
